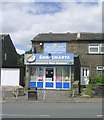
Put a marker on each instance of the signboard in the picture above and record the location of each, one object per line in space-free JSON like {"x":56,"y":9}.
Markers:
{"x":55,"y":48}
{"x":10,"y":76}
{"x":49,"y":59}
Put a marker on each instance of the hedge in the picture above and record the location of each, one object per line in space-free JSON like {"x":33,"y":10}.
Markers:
{"x":97,"y":80}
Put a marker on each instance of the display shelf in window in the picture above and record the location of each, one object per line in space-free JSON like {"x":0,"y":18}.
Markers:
{"x":66,"y":74}
{"x":40,"y":74}
{"x":32,"y":74}
{"x":58,"y":74}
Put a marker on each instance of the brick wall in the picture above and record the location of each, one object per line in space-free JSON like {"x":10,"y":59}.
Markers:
{"x":84,"y":59}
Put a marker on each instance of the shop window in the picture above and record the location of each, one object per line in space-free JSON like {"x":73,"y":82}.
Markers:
{"x":58,"y":74}
{"x":32,"y":74}
{"x":66,"y":73}
{"x":40,"y":74}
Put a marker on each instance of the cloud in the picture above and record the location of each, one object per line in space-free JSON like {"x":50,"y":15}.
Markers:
{"x":24,"y":20}
{"x":52,"y":0}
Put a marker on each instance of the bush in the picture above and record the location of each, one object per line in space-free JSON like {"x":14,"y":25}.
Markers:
{"x":97,"y":80}
{"x":89,"y":90}
{"x":71,"y":93}
{"x":25,"y":89}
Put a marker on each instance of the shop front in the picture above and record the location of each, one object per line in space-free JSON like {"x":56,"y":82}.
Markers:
{"x":50,"y":73}
{"x":51,"y":69}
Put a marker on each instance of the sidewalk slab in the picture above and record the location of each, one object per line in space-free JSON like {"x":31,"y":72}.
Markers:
{"x":70,"y":100}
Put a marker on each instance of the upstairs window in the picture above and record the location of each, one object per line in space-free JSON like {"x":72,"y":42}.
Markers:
{"x":102,"y":48}
{"x":93,"y":48}
{"x":96,"y":48}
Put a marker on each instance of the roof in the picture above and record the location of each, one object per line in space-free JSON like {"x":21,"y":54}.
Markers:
{"x":67,"y":36}
{"x":3,"y":35}
{"x":7,"y":47}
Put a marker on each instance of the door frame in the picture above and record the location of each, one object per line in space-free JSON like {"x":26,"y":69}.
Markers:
{"x":84,"y":75}
{"x":44,"y":84}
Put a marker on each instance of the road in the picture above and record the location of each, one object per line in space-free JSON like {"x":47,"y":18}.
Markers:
{"x":51,"y":110}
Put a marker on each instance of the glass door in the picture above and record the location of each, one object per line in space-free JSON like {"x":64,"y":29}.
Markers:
{"x":49,"y":77}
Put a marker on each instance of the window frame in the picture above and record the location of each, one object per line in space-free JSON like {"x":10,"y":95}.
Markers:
{"x":93,"y":46}
{"x":101,"y":45}
{"x":97,"y":68}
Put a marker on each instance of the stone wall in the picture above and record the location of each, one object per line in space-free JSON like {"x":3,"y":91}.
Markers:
{"x":98,"y":90}
{"x":58,"y":95}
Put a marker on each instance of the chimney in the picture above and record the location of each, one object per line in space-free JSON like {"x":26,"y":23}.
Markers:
{"x":78,"y":35}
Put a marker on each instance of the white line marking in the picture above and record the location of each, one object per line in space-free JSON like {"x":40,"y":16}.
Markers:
{"x":23,"y":115}
{"x":100,"y":116}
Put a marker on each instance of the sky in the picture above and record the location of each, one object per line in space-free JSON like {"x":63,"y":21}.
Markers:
{"x":24,"y":19}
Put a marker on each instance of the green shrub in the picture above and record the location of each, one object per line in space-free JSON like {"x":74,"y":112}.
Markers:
{"x":89,"y":90}
{"x":25,"y":89}
{"x":81,"y":92}
{"x":97,"y":80}
{"x":71,"y":93}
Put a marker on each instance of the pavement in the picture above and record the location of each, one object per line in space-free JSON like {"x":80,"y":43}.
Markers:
{"x":72,"y":100}
{"x":78,"y":99}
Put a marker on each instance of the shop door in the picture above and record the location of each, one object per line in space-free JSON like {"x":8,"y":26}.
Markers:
{"x":84,"y":76}
{"x":49,"y":78}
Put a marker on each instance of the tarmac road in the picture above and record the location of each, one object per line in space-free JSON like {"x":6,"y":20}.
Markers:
{"x":51,"y":110}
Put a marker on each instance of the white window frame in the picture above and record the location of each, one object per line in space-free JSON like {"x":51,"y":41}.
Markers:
{"x":100,"y":68}
{"x":93,"y":46}
{"x":101,"y":45}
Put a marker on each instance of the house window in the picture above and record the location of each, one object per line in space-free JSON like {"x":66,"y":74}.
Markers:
{"x":94,"y":48}
{"x":100,"y":70}
{"x":101,"y":48}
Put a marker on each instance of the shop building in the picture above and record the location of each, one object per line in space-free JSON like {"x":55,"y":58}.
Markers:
{"x":51,"y":69}
{"x":59,"y":59}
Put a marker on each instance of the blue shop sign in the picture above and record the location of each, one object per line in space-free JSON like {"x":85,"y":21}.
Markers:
{"x":55,"y":48}
{"x":49,"y":59}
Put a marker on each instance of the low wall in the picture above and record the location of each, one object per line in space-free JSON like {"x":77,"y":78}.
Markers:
{"x":53,"y":94}
{"x":98,"y":90}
